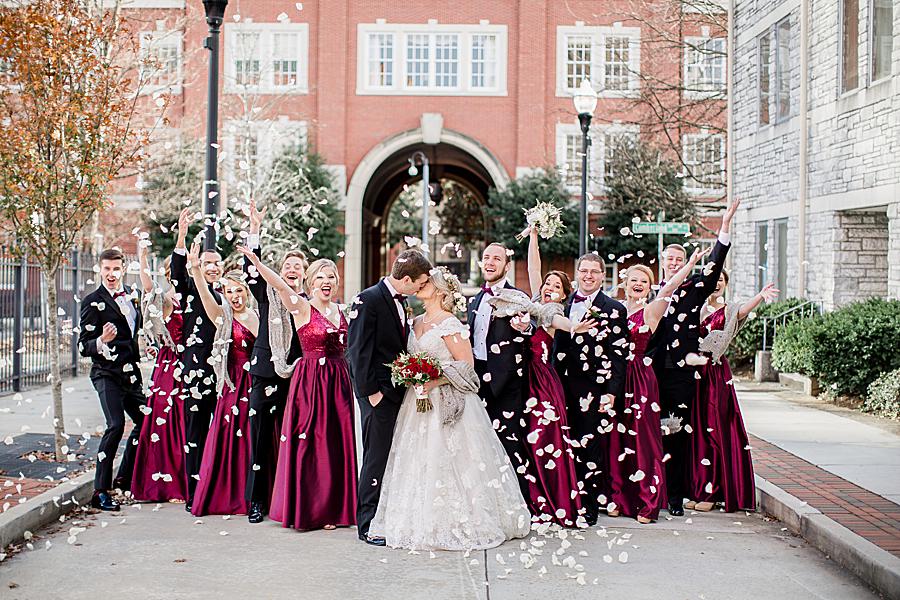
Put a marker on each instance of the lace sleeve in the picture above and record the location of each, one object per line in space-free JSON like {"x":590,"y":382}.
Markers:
{"x":452,"y":327}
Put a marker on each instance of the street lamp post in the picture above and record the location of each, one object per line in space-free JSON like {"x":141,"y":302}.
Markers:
{"x":215,"y":14}
{"x":426,"y":195}
{"x":585,"y":100}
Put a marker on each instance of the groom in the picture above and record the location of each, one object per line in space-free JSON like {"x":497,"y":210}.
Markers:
{"x":377,"y":334}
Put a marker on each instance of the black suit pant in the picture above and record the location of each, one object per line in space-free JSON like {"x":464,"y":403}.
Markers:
{"x":592,"y":456}
{"x":677,"y":393}
{"x":377,"y":424}
{"x":266,"y":413}
{"x":118,"y":397}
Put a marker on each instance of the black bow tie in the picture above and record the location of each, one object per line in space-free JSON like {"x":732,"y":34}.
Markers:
{"x":400,"y":298}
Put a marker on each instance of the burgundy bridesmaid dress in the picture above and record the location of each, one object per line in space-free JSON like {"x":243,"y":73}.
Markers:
{"x":721,"y":469}
{"x":551,"y":476}
{"x":226,"y":455}
{"x":159,"y":462}
{"x":636,"y":464}
{"x":315,"y":481}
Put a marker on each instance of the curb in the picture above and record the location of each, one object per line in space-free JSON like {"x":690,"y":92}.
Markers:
{"x":45,"y":508}
{"x":877,"y":567}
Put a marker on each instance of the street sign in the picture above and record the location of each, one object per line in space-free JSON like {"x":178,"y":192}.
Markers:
{"x":659,"y":228}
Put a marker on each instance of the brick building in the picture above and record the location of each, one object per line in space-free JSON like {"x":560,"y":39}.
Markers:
{"x":836,"y":238}
{"x":483,"y":88}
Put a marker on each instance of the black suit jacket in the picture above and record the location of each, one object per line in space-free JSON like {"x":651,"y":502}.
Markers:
{"x":261,"y":364}
{"x":605,"y":354}
{"x":375,"y":337}
{"x":678,"y":335}
{"x":503,"y":366}
{"x":199,"y":329}
{"x":98,"y":308}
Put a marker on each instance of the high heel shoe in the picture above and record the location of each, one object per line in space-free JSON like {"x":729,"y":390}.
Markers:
{"x":704,"y":506}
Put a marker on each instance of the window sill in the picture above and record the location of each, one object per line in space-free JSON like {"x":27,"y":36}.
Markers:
{"x":429,"y":92}
{"x":265,"y":91}
{"x":607,"y":95}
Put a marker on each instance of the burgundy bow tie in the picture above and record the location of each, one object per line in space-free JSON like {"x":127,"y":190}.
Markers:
{"x":579,"y":298}
{"x":118,"y":295}
{"x":487,"y":289}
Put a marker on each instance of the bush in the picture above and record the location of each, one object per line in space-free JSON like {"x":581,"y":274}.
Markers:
{"x":846,"y":349}
{"x":749,"y":339}
{"x":883,"y":395}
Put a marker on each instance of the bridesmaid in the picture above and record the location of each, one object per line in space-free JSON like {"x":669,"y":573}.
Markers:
{"x":159,"y":474}
{"x":721,"y":469}
{"x":315,"y":480}
{"x":226,"y":455}
{"x":636,"y":469}
{"x":552,"y":483}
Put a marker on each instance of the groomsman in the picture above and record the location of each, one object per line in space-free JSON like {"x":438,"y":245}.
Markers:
{"x":592,"y":369}
{"x":199,"y":380}
{"x":500,"y":348}
{"x":110,"y":322}
{"x":377,"y":333}
{"x":674,"y":349}
{"x":269,"y":389}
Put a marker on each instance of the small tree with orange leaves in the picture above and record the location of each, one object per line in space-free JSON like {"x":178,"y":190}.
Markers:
{"x":70,"y":98}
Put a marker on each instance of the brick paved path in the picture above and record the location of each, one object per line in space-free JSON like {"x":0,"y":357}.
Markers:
{"x":869,"y":515}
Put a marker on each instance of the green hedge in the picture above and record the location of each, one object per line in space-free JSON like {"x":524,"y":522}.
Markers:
{"x":846,"y":349}
{"x":883,"y":396}
{"x":749,"y":339}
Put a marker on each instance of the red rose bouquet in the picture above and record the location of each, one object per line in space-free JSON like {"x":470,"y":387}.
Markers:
{"x":416,"y":370}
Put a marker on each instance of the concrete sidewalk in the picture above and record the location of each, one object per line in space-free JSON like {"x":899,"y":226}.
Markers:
{"x":32,"y":411}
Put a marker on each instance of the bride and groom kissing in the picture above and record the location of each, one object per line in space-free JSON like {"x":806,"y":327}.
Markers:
{"x":439,"y":479}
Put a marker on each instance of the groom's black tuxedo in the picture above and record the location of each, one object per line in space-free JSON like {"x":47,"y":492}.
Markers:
{"x":591,"y":366}
{"x":375,"y":337}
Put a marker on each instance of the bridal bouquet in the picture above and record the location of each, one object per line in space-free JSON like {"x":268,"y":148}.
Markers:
{"x":416,"y":370}
{"x":543,"y":217}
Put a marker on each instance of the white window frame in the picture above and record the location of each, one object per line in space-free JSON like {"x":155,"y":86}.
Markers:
{"x":400,"y":33}
{"x":271,"y":136}
{"x":151,"y":39}
{"x":596,"y":152}
{"x":598,"y":35}
{"x":599,"y":141}
{"x":779,"y":75}
{"x":870,"y":39}
{"x":715,"y":88}
{"x":764,"y":62}
{"x":266,"y":32}
{"x":691,"y":185}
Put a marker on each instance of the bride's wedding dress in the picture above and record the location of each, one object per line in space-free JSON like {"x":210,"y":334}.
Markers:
{"x":448,"y":486}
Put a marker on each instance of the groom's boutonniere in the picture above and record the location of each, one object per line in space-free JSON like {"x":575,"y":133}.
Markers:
{"x":409,"y":314}
{"x":595,"y":313}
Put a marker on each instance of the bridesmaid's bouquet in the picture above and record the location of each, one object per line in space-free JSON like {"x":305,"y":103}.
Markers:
{"x":416,"y":370}
{"x":545,"y":218}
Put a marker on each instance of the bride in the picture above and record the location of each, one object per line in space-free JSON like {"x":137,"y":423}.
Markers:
{"x":448,"y":483}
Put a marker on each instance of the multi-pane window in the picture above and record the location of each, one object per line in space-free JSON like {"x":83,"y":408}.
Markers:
{"x":704,"y":64}
{"x":161,"y":65}
{"x":764,"y":52}
{"x":266,"y":57}
{"x":418,"y":60}
{"x":783,"y":69}
{"x":251,"y":145}
{"x":484,"y":61}
{"x":571,"y":160}
{"x":882,"y":39}
{"x":615,"y":142}
{"x":606,"y":143}
{"x":762,"y":254}
{"x":446,"y":60}
{"x":381,"y":60}
{"x":608,"y":57}
{"x":704,"y":159}
{"x":849,"y":45}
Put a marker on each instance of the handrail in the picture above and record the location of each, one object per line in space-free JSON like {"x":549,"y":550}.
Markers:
{"x":812,"y":307}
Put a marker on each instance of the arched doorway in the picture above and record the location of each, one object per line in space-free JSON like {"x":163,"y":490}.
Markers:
{"x":382,"y":175}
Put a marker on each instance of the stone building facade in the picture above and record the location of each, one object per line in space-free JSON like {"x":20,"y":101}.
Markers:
{"x":852,"y":238}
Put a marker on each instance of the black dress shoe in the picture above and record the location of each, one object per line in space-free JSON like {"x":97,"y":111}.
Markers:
{"x":255,"y":514}
{"x":188,"y":505}
{"x":104,"y":501}
{"x":675,"y":508}
{"x":373,"y":541}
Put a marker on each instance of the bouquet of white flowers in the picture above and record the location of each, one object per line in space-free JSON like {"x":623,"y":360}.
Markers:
{"x":544,"y":218}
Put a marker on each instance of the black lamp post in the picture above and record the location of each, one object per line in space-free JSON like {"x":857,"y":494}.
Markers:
{"x":215,"y":14}
{"x":420,"y":157}
{"x":585,"y":100}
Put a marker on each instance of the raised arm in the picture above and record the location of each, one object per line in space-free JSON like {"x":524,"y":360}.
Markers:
{"x":213,"y":309}
{"x":711,"y":273}
{"x":180,"y":277}
{"x":654,"y":311}
{"x":255,"y":281}
{"x":768,"y":293}
{"x":534,"y":262}
{"x":146,"y":279}
{"x":295,"y":303}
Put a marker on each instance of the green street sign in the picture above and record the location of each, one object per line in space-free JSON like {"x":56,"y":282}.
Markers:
{"x":656,"y":227}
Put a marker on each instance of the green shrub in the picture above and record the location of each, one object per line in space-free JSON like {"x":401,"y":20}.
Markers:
{"x":883,"y":395}
{"x":847,"y":349}
{"x":748,"y":341}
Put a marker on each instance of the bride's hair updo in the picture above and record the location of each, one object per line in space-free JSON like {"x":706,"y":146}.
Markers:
{"x":447,"y":284}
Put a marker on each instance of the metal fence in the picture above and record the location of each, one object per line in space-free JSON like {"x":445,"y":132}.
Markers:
{"x":24,"y":339}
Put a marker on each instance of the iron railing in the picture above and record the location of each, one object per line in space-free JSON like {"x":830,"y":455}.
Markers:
{"x":808,"y":309}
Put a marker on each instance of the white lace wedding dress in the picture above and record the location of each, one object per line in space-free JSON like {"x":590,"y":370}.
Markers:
{"x":447,"y":487}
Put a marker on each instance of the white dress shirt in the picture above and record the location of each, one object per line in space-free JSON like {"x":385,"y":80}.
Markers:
{"x":401,"y":312}
{"x":483,"y":322}
{"x":579,"y":309}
